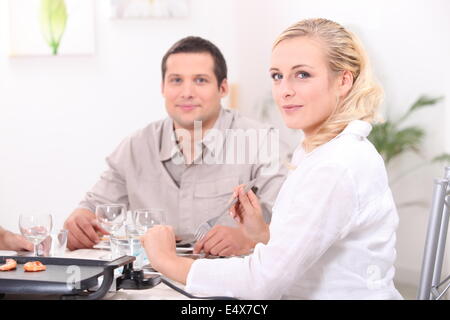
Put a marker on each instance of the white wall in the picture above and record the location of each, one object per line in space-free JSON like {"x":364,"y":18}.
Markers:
{"x":60,"y":117}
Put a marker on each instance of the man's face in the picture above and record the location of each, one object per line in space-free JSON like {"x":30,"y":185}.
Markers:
{"x":191,"y":91}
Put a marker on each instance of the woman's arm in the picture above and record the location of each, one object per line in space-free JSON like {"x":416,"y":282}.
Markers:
{"x":159,"y":244}
{"x":317,"y":213}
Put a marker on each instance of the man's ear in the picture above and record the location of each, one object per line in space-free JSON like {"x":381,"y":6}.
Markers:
{"x":162,"y":87}
{"x":224,"y":89}
{"x":345,"y":83}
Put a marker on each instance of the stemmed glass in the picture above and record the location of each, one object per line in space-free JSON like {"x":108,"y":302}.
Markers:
{"x":111,"y":216}
{"x":144,"y":219}
{"x":35,"y":228}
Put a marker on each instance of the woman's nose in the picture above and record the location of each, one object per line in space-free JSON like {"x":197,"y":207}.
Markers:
{"x":286,"y":90}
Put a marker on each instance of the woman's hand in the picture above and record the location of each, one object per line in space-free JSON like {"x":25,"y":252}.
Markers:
{"x":247,"y":213}
{"x":159,"y":244}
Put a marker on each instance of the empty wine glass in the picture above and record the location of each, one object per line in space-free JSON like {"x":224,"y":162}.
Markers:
{"x":111,"y":216}
{"x":35,"y":228}
{"x":144,"y":219}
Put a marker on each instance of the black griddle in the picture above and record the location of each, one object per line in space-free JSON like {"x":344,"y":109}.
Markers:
{"x":72,"y":278}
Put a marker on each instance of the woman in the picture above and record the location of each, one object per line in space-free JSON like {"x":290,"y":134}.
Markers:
{"x":332,"y":234}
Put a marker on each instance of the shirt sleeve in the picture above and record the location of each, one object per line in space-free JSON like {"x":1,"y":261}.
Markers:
{"x":303,"y":228}
{"x":111,"y":187}
{"x":270,"y":171}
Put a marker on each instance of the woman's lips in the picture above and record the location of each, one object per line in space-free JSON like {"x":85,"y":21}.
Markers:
{"x":292,"y":107}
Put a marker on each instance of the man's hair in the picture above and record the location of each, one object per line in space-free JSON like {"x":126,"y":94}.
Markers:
{"x":198,"y":45}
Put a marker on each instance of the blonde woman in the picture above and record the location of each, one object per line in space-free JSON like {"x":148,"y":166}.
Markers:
{"x":333,"y":230}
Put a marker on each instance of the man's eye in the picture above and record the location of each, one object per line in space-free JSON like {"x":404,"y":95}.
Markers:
{"x":175,"y":80}
{"x":276,"y":76}
{"x":201,"y":80}
{"x":302,"y":75}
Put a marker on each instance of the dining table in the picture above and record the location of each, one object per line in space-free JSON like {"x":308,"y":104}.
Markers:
{"x":161,"y":291}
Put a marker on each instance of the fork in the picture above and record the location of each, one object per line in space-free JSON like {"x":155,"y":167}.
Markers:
{"x":207,"y":225}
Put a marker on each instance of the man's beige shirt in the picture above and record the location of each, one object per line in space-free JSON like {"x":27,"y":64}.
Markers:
{"x":147,"y":170}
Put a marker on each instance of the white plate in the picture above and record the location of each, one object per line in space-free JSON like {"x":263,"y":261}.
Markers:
{"x":102,"y":245}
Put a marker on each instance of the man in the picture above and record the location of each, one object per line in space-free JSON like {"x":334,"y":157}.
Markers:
{"x":186,"y":164}
{"x":13,"y":241}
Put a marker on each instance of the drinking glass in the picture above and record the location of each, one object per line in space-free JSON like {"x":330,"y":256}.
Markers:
{"x":55,"y":244}
{"x":111,"y":216}
{"x":35,"y":228}
{"x":144,"y":219}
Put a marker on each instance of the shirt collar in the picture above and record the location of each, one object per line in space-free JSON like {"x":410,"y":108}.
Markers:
{"x":169,"y":147}
{"x":357,"y":127}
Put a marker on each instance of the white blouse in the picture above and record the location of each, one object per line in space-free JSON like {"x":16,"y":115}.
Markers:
{"x":332,"y":234}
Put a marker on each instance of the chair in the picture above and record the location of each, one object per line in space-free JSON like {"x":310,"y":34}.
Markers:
{"x":430,"y":279}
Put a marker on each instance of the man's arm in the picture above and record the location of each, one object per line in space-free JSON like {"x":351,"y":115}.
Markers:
{"x":270,"y":171}
{"x":111,"y":188}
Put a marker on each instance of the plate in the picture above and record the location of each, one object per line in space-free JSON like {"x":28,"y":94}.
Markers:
{"x":103,"y":245}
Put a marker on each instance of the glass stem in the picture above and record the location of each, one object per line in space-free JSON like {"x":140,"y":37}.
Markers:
{"x":36,"y":253}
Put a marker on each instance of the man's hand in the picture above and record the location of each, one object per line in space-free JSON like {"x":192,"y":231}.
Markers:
{"x":225,"y":241}
{"x":83,"y":229}
{"x":14,"y":242}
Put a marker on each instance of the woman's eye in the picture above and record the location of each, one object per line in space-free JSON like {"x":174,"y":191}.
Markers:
{"x":302,"y":75}
{"x":276,"y":76}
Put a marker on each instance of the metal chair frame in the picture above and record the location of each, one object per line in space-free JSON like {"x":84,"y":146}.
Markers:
{"x":430,"y":279}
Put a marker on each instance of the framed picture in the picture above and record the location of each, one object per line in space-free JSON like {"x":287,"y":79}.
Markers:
{"x":141,"y":9}
{"x":51,"y":27}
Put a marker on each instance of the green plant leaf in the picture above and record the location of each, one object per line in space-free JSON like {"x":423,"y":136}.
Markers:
{"x":391,"y":142}
{"x":409,"y":139}
{"x":421,"y":102}
{"x":53,"y":22}
{"x":444,"y":157}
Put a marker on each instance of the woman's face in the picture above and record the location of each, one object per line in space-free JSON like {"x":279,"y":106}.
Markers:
{"x":304,"y":87}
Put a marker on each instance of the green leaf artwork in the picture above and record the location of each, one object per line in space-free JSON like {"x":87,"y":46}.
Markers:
{"x":53,"y":18}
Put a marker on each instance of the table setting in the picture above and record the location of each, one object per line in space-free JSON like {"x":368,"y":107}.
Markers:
{"x":116,"y":268}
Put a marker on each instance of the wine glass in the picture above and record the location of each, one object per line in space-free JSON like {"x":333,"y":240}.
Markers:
{"x":111,"y":216}
{"x":144,"y":219}
{"x":35,"y":228}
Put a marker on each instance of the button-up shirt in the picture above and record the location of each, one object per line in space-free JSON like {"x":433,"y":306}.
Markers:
{"x":147,"y":170}
{"x":332,"y":234}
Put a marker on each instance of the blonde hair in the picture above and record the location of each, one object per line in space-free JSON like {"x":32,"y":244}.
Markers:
{"x":345,"y":52}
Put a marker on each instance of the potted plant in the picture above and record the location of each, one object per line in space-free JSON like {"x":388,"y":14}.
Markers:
{"x":391,"y":138}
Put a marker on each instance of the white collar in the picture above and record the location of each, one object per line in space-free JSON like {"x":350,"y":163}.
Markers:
{"x":357,"y":127}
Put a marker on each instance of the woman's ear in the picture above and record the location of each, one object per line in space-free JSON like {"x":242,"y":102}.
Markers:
{"x":345,"y":83}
